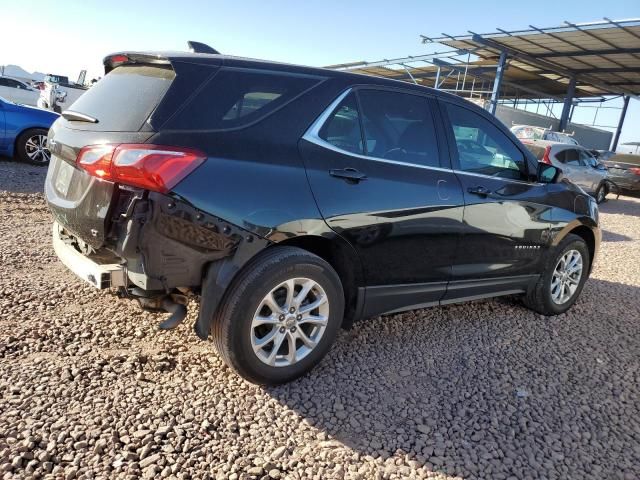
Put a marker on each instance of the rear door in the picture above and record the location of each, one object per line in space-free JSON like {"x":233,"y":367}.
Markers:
{"x":571,"y":166}
{"x":505,"y":220}
{"x":377,"y":169}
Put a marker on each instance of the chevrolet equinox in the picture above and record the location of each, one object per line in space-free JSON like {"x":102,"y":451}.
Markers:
{"x":294,"y":200}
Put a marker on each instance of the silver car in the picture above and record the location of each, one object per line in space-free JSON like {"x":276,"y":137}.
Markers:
{"x":577,"y":164}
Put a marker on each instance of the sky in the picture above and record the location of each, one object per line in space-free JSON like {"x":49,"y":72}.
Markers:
{"x":66,"y":36}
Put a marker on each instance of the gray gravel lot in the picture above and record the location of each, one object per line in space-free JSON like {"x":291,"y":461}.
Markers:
{"x":89,"y":388}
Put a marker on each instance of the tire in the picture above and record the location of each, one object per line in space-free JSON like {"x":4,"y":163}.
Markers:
{"x":31,"y":147}
{"x":601,"y":193}
{"x":234,"y":329}
{"x":540,"y":297}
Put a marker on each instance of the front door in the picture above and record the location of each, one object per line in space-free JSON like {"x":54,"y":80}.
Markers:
{"x":377,"y":171}
{"x":506,"y":223}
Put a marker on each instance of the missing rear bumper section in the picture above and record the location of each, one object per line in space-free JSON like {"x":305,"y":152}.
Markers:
{"x":102,"y":276}
{"x":159,"y":248}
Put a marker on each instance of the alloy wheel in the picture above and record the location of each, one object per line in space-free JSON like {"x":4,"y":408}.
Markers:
{"x":289,"y":322}
{"x":36,"y":149}
{"x":566,"y":277}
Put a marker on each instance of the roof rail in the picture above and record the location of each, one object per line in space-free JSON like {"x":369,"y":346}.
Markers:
{"x":199,"y":47}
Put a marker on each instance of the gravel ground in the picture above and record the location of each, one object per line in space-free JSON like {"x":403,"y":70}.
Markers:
{"x":89,"y":388}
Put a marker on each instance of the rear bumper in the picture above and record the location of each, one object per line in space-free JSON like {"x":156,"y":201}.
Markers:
{"x":110,"y":275}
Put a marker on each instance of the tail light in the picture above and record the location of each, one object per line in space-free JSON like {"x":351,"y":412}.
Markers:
{"x":152,"y":167}
{"x":635,"y":170}
{"x":545,"y":157}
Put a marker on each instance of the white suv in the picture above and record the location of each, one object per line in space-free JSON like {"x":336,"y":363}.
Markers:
{"x":577,"y":164}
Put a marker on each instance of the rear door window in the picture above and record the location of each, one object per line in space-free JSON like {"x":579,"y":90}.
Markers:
{"x":124,"y":99}
{"x":7,"y":82}
{"x":399,"y":126}
{"x":570,"y":156}
{"x":238,"y":97}
{"x":342,"y":128}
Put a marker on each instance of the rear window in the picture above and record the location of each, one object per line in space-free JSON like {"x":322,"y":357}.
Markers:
{"x":237,"y":97}
{"x":124,"y":99}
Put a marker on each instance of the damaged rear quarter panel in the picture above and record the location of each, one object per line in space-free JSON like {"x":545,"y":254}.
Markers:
{"x":168,"y":243}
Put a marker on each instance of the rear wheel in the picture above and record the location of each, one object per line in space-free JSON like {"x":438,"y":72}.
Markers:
{"x":565,"y":273}
{"x":280,"y":316}
{"x":32,"y":147}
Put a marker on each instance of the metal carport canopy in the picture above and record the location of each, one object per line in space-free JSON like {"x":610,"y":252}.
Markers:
{"x":603,"y":56}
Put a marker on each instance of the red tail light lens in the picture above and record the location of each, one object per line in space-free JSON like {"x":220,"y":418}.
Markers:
{"x":152,"y":167}
{"x":635,"y":171}
{"x":545,"y":157}
{"x":96,"y":159}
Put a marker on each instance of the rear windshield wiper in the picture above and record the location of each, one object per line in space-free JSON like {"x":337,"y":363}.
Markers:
{"x":78,"y":117}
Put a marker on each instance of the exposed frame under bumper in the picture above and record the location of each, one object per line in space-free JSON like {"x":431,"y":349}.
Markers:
{"x":101,"y":276}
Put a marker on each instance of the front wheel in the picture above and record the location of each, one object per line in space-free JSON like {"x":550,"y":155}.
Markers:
{"x":280,"y":316}
{"x":32,"y":147}
{"x":563,"y":278}
{"x":601,"y":193}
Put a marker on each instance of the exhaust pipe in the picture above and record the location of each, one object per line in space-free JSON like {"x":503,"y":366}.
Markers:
{"x":178,"y":313}
{"x":154,"y":301}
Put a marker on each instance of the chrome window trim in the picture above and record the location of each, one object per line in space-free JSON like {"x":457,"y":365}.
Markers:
{"x":313,"y":135}
{"x":482,"y":175}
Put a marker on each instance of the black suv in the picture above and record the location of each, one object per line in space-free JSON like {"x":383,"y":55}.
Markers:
{"x":296,"y":200}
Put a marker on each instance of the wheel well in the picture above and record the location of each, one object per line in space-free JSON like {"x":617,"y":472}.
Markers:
{"x":587,"y":235}
{"x":15,"y":142}
{"x":341,"y":256}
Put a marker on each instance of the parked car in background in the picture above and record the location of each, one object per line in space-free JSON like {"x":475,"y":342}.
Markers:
{"x":624,"y":171}
{"x":23,"y":132}
{"x":295,"y":200}
{"x":71,"y":91}
{"x":18,"y":91}
{"x":577,"y":164}
{"x":531,"y":132}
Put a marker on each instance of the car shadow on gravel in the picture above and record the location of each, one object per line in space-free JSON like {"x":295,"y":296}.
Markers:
{"x":608,"y":236}
{"x":623,"y":206}
{"x":488,"y":389}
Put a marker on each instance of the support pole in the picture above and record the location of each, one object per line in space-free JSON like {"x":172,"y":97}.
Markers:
{"x":623,"y":114}
{"x":437,"y":84}
{"x":568,"y":101}
{"x":495,"y":94}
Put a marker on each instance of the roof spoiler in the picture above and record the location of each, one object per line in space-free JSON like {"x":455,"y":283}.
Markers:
{"x":116,"y":59}
{"x":199,"y":47}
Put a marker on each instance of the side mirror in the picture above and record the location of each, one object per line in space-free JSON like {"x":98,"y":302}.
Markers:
{"x":548,"y":173}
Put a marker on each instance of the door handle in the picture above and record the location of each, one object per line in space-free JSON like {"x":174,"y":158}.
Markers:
{"x":479,"y":190}
{"x":349,"y":174}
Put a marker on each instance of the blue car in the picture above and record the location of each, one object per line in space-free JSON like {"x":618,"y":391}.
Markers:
{"x":23,"y":132}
